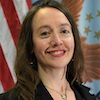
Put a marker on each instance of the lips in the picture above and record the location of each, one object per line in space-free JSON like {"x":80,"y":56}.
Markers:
{"x":57,"y":53}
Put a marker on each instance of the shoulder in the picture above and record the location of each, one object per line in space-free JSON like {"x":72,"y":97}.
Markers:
{"x":9,"y":95}
{"x":5,"y":95}
{"x":84,"y":91}
{"x":41,"y":93}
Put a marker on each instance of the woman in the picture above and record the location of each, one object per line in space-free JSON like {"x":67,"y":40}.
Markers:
{"x":49,"y":62}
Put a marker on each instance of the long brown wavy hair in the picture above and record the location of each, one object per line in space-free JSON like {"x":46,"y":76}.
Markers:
{"x":26,"y":67}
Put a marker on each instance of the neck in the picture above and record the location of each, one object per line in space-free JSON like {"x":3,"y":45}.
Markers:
{"x":54,"y":78}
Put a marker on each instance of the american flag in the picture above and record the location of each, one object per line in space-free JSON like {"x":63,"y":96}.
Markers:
{"x":12,"y":13}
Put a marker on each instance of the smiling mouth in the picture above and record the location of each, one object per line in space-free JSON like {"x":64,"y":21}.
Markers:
{"x":57,"y":53}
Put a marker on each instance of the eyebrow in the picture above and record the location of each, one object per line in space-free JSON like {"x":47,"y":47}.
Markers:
{"x":66,"y":24}
{"x":44,"y":26}
{"x":47,"y":26}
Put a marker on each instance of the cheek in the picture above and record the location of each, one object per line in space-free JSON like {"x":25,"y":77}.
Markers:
{"x":39,"y":46}
{"x":70,"y":43}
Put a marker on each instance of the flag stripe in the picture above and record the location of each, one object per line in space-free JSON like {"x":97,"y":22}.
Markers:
{"x":21,"y":10}
{"x":12,"y":13}
{"x":7,"y":43}
{"x":12,"y":18}
{"x":1,"y":88}
{"x":29,"y":3}
{"x":5,"y":72}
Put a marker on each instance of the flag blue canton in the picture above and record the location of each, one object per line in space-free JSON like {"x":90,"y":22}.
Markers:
{"x":89,"y":23}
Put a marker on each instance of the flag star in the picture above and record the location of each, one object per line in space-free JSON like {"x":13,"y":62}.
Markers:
{"x":97,"y":35}
{"x":87,"y":30}
{"x":89,"y":17}
{"x":98,"y":13}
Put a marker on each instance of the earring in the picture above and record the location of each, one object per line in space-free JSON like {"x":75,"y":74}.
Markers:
{"x":72,"y":59}
{"x":32,"y":61}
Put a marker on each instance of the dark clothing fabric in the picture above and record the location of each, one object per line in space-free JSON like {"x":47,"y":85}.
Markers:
{"x":41,"y":93}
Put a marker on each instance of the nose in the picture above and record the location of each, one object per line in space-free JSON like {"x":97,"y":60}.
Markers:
{"x":55,"y":40}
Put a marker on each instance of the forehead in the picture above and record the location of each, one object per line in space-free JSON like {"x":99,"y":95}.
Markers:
{"x":49,"y":15}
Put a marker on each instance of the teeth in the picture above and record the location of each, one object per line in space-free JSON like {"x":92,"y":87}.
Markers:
{"x":57,"y":52}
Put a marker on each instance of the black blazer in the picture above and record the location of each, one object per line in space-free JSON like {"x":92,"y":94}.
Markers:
{"x":81,"y":93}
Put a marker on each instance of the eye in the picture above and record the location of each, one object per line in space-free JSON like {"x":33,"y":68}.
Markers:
{"x":64,"y":31}
{"x":44,"y":34}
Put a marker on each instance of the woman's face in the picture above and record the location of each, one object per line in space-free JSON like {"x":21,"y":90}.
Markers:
{"x":52,"y":38}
